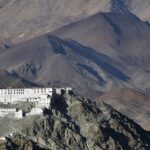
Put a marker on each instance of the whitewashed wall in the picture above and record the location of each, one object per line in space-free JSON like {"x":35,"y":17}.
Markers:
{"x":12,"y":95}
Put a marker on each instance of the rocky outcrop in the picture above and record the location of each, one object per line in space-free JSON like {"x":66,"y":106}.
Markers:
{"x":77,"y":123}
{"x":132,"y":103}
{"x":20,"y":143}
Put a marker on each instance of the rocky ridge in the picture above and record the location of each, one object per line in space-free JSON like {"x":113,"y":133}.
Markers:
{"x":75,"y":122}
{"x":131,"y":103}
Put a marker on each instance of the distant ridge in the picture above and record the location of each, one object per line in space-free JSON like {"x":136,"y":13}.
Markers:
{"x":24,"y":19}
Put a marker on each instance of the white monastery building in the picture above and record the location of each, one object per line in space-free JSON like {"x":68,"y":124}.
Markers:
{"x":41,"y":96}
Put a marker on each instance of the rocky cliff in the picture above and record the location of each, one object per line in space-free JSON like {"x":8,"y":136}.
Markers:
{"x":75,"y":122}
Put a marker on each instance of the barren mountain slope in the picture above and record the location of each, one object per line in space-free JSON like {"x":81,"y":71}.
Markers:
{"x":41,"y":60}
{"x":123,"y":37}
{"x":112,"y":57}
{"x":141,"y":8}
{"x":106,"y":31}
{"x":23,"y":19}
{"x":12,"y":80}
{"x":132,"y":103}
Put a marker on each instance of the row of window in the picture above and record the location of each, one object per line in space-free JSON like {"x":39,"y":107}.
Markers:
{"x":22,"y":90}
{"x":43,"y":104}
{"x":8,"y":93}
{"x":19,"y":92}
{"x":44,"y":90}
{"x":37,"y":99}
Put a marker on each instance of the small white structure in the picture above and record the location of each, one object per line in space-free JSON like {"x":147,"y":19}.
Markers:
{"x":67,"y":89}
{"x":11,"y":113}
{"x":2,"y":138}
{"x":18,"y":114}
{"x":35,"y":111}
{"x":7,"y":112}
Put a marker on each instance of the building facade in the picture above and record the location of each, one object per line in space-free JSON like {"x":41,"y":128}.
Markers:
{"x":40,"y":96}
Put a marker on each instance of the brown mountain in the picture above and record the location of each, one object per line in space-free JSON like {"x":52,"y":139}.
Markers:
{"x":24,"y":19}
{"x":97,"y":54}
{"x":119,"y":36}
{"x":41,"y":60}
{"x":110,"y":33}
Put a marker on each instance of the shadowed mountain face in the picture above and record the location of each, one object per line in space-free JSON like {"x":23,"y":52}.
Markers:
{"x":41,"y":60}
{"x":123,"y":37}
{"x":12,"y":80}
{"x":111,"y":32}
